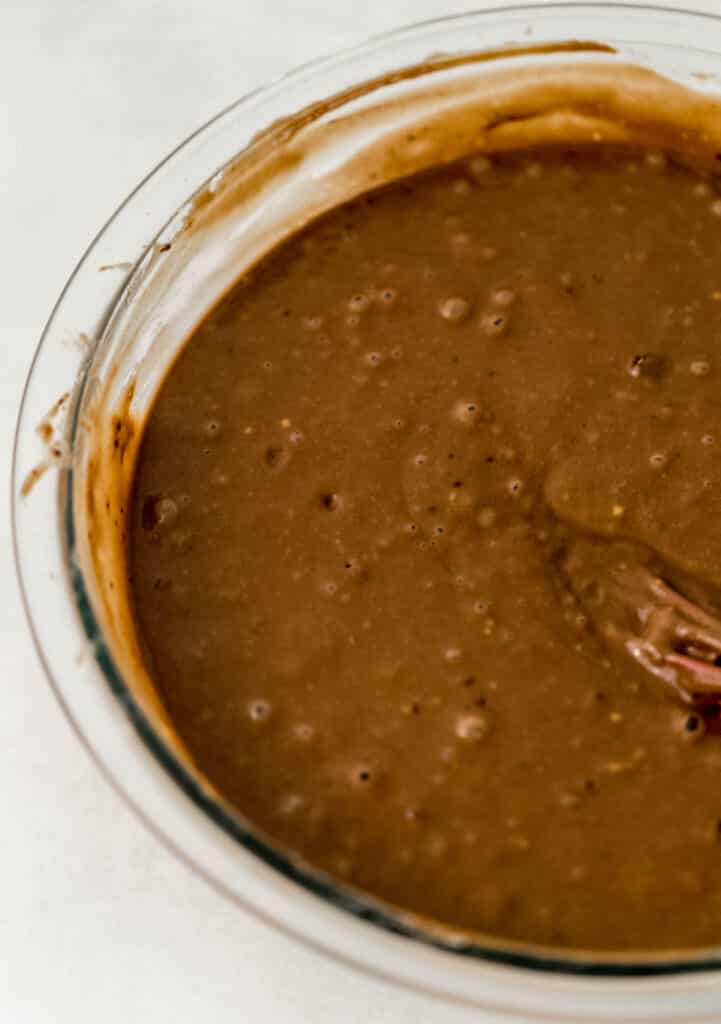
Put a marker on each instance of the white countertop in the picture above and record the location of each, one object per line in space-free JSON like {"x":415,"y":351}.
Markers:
{"x":98,"y":922}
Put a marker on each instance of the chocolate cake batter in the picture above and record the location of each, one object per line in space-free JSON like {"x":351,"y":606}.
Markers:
{"x":426,"y":551}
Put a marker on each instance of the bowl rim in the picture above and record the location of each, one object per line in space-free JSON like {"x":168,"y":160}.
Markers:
{"x":364,"y":907}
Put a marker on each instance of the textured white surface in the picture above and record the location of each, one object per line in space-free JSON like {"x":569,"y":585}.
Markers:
{"x":97,"y":921}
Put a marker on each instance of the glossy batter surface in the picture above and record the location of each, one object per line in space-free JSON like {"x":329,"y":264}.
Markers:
{"x":402,"y":512}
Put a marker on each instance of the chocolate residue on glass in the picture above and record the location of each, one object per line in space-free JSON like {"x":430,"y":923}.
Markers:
{"x":50,"y":432}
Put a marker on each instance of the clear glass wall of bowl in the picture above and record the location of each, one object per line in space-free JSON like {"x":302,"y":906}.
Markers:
{"x":520,"y":984}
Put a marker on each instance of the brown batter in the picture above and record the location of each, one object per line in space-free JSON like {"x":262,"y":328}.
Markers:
{"x":425,"y":550}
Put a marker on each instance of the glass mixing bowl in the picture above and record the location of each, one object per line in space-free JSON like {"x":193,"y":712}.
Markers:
{"x":127,"y":320}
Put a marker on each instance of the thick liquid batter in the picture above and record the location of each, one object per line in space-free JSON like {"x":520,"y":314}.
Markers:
{"x":426,"y":548}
